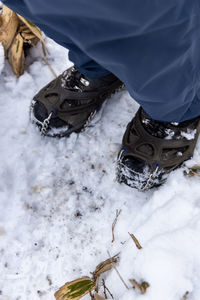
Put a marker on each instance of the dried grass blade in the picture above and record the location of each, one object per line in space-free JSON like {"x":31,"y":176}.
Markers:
{"x":105,"y":266}
{"x":135,"y":241}
{"x":118,"y":212}
{"x":121,"y":278}
{"x":185,"y":297}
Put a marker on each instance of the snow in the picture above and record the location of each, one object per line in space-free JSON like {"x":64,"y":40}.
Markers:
{"x":1,"y":57}
{"x":58,"y":200}
{"x":170,"y":134}
{"x":190,"y":134}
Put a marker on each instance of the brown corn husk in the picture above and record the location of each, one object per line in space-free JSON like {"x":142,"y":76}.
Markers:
{"x":105,"y":266}
{"x":35,"y":31}
{"x":33,"y":28}
{"x":8,"y":27}
{"x":15,"y":33}
{"x":26,"y":33}
{"x":16,"y":55}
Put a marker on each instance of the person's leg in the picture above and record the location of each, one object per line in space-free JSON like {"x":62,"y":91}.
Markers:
{"x":81,"y":60}
{"x":84,"y":63}
{"x":152,"y":46}
{"x":70,"y":102}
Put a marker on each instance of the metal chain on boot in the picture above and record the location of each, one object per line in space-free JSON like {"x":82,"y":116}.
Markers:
{"x":150,"y":180}
{"x":90,"y":118}
{"x":45,"y":124}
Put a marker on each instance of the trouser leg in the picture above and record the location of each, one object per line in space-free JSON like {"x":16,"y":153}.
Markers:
{"x":81,"y":60}
{"x":84,"y":63}
{"x":152,"y":46}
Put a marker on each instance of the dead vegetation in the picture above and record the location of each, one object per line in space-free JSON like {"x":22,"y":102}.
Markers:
{"x":185,"y":297}
{"x":142,"y":287}
{"x":78,"y":288}
{"x":135,"y":241}
{"x":17,"y":35}
{"x":193,"y":171}
{"x":118,"y":212}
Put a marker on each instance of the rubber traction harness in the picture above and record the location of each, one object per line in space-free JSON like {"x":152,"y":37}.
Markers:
{"x":70,"y":102}
{"x":144,"y":160}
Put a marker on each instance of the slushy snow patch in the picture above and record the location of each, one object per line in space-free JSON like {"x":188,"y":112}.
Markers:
{"x":58,"y":200}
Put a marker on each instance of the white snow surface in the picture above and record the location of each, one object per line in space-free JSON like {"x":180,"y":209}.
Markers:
{"x":58,"y":200}
{"x":1,"y":57}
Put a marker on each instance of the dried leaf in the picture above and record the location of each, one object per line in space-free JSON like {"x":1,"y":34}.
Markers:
{"x":193,"y":171}
{"x":135,"y":241}
{"x":97,"y":297}
{"x":142,"y":287}
{"x":105,"y":266}
{"x":27,"y":35}
{"x":16,"y":55}
{"x":34,"y":29}
{"x":11,"y":25}
{"x":75,"y":289}
{"x":8,"y":27}
{"x":185,"y":297}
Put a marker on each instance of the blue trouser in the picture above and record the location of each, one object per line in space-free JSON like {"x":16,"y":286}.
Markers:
{"x":153,"y":46}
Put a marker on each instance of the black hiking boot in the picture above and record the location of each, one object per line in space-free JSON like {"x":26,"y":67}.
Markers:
{"x":151,"y":150}
{"x":70,"y":102}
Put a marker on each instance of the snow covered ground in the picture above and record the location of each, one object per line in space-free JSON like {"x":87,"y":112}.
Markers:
{"x":58,"y":200}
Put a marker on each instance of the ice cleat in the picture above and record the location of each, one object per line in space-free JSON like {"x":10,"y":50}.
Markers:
{"x":151,"y":150}
{"x":70,"y":102}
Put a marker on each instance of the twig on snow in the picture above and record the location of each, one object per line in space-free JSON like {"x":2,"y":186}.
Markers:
{"x":185,"y":296}
{"x":44,"y":59}
{"x":118,"y":273}
{"x":135,"y":241}
{"x":106,"y":289}
{"x":118,"y":212}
